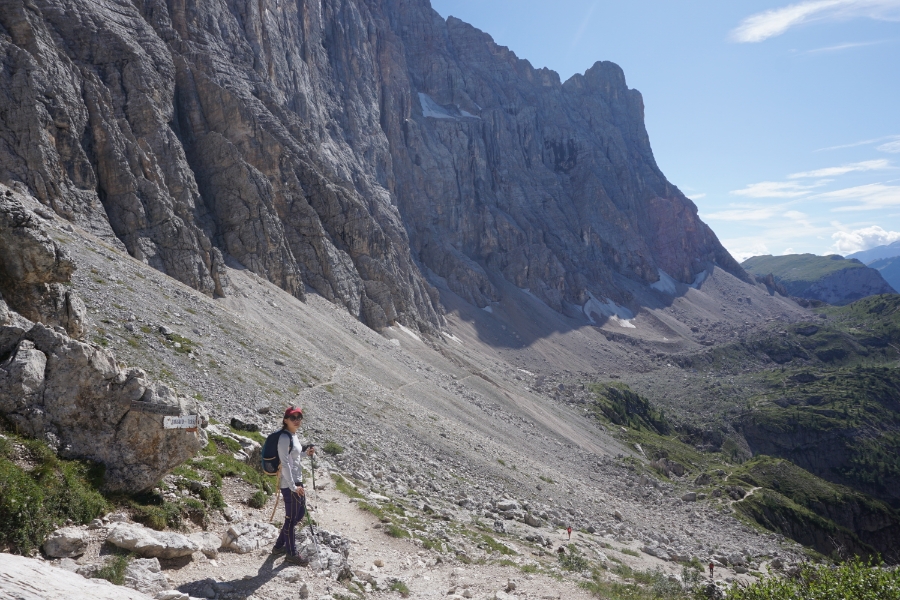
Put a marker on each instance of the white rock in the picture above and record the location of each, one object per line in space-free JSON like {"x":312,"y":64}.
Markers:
{"x":149,"y":543}
{"x":29,"y":579}
{"x":209,"y":543}
{"x":67,"y":542}
{"x":248,"y":536}
{"x":145,"y":575}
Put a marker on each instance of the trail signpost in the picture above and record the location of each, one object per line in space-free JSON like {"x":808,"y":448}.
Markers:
{"x":189,"y":422}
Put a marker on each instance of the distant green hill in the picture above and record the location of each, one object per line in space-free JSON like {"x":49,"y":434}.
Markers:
{"x":832,"y":279}
{"x":890,"y":270}
{"x":823,"y":394}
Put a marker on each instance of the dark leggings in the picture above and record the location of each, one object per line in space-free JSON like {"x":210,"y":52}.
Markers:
{"x":294,"y":510}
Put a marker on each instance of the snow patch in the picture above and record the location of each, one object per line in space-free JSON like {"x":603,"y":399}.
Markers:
{"x":488,"y":309}
{"x":432,"y":109}
{"x":526,"y":372}
{"x":606,"y":309}
{"x":451,"y":337}
{"x":409,"y":332}
{"x":699,"y":279}
{"x":666,"y":284}
{"x":626,"y":323}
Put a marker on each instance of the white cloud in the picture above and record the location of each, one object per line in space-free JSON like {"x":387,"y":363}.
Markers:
{"x":867,"y":165}
{"x":788,"y":251}
{"x":697,"y":196}
{"x":848,"y":242}
{"x":872,"y":196}
{"x":893,"y":147}
{"x":742,"y":253}
{"x":745,"y":213}
{"x":846,"y":46}
{"x":795,"y":215}
{"x":771,"y":23}
{"x":584,"y":25}
{"x":860,"y":143}
{"x":776,"y":189}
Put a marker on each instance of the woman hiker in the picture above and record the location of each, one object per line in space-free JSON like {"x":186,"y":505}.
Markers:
{"x":291,"y":483}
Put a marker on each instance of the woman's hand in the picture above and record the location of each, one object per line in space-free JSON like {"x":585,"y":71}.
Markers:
{"x":311,"y":450}
{"x":299,"y":491}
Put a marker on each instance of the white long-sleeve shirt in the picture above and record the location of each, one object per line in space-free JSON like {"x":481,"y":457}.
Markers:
{"x":291,"y":471}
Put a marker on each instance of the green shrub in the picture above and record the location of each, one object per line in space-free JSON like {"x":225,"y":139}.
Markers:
{"x":258,"y":499}
{"x":399,"y":586}
{"x":33,"y":503}
{"x":332,"y":448}
{"x":854,"y":580}
{"x":159,"y":517}
{"x":572,"y":560}
{"x":114,"y":570}
{"x":212,"y":495}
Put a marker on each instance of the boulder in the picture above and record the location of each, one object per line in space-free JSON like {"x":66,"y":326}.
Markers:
{"x":327,"y":551}
{"x":532,"y":520}
{"x":145,"y":575}
{"x":248,"y":536}
{"x":28,"y":578}
{"x":209,"y":543}
{"x":68,"y":542}
{"x":690,"y":497}
{"x":149,"y":543}
{"x":507,"y":505}
{"x":76,"y":397}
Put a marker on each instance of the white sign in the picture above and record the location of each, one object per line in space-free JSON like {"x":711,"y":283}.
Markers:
{"x":184,"y":422}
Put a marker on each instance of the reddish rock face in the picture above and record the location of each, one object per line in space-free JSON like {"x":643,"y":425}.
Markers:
{"x":343,"y":146}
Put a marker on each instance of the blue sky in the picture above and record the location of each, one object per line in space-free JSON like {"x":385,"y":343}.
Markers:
{"x":780,"y":120}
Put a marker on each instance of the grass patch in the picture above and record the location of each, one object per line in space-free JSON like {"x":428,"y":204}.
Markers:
{"x":573,"y":560}
{"x":395,"y":531}
{"x":546,"y":479}
{"x":114,"y":569}
{"x":34,"y":503}
{"x":630,"y":552}
{"x":492,"y":544}
{"x":253,"y":435}
{"x":345,"y":487}
{"x":399,"y":586}
{"x":332,"y":448}
{"x":258,"y":499}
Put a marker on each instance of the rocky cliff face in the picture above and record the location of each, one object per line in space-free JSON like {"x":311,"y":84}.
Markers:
{"x":71,"y":394}
{"x":354,"y":147}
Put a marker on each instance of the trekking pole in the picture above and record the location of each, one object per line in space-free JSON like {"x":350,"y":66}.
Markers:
{"x":277,"y":495}
{"x":312,"y":532}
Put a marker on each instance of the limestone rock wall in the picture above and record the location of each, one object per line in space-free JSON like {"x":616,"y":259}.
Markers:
{"x":71,"y":394}
{"x":352,"y":146}
{"x":33,"y":269}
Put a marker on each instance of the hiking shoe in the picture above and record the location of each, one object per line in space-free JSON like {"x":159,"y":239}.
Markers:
{"x":277,"y":551}
{"x":295,"y":560}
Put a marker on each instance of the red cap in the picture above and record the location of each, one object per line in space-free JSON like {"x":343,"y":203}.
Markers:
{"x":293,"y":410}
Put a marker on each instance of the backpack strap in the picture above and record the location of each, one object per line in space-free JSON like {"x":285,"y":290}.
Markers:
{"x":290,"y":440}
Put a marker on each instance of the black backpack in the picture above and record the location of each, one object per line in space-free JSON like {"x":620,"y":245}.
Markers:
{"x":270,"y":460}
